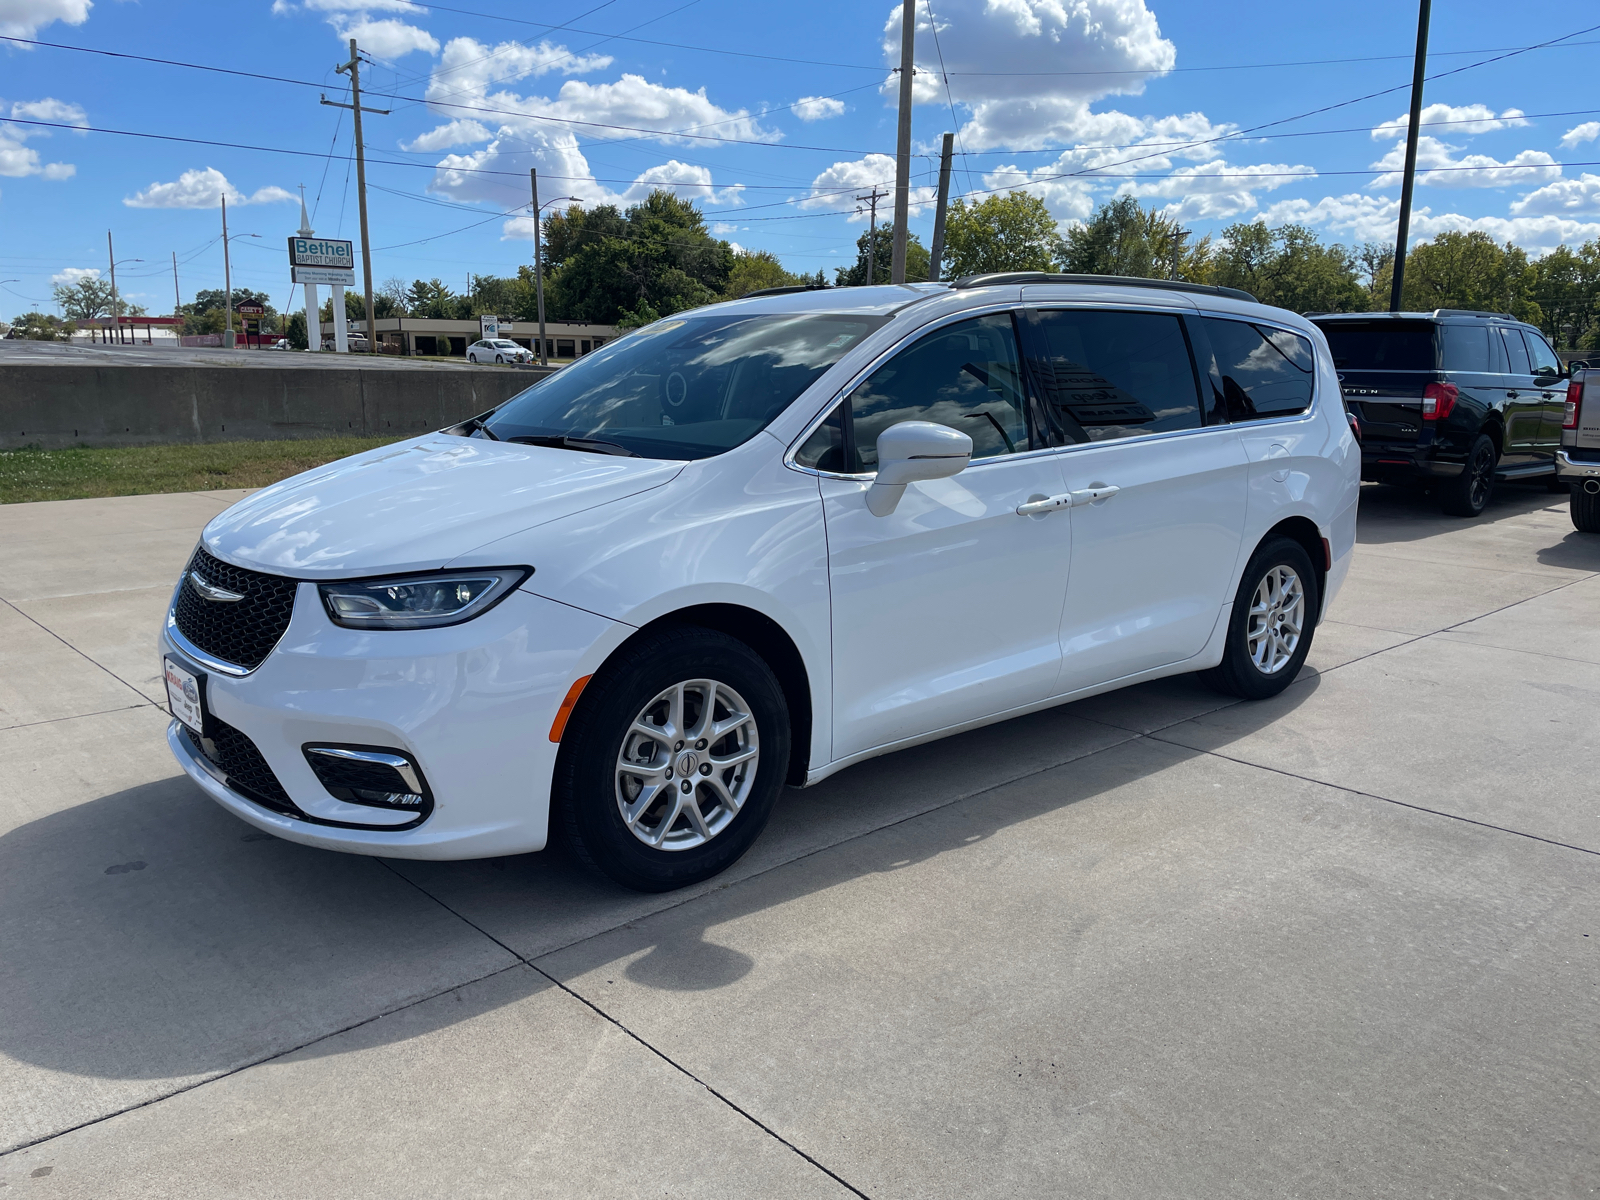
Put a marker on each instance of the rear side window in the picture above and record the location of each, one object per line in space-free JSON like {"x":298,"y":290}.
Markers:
{"x":1516,"y":352}
{"x":1381,"y":346}
{"x":1265,"y":372}
{"x":1110,"y":374}
{"x":1464,"y":348}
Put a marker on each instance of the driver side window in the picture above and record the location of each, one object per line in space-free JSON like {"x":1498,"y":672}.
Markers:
{"x":966,"y":375}
{"x":1544,"y":359}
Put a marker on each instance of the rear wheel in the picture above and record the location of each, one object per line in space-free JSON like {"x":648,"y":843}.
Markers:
{"x":1468,"y":493}
{"x":1270,"y":628}
{"x":673,"y":760}
{"x":1585,"y":508}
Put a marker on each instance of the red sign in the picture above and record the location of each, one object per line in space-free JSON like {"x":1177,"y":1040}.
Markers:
{"x":254,"y":310}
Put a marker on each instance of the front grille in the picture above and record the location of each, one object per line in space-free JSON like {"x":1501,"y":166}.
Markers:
{"x":237,"y":757}
{"x":240,"y":631}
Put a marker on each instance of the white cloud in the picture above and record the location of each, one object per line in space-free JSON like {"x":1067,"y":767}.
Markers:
{"x":1373,"y":219}
{"x":1058,"y":57}
{"x":24,"y":18}
{"x":1465,"y":120}
{"x":202,"y":189}
{"x":17,"y":159}
{"x":345,"y":6}
{"x":721,"y":227}
{"x":837,"y":187}
{"x":454,"y":133}
{"x":1587,"y":132}
{"x":468,"y":68}
{"x":817,"y":108}
{"x":386,"y":39}
{"x":1216,"y":190}
{"x":684,"y":180}
{"x":49,"y":109}
{"x":1565,"y":197}
{"x":70,"y":276}
{"x":1470,"y":170}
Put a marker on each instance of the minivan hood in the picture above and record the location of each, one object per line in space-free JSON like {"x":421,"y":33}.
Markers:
{"x":416,"y":505}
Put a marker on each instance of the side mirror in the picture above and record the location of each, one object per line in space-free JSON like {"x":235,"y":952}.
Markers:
{"x":913,"y":451}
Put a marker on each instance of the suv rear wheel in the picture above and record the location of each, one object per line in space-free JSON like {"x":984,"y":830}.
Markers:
{"x":1270,"y":628}
{"x":1468,"y":493}
{"x":673,"y":760}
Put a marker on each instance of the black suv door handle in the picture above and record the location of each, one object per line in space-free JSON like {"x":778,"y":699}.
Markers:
{"x":1512,"y":395}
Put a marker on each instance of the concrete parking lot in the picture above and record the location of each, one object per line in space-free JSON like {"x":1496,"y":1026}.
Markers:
{"x":1341,"y":943}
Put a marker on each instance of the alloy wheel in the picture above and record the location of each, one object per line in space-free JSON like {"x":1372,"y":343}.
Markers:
{"x":1276,"y":619}
{"x":1482,"y":477}
{"x":688,"y":764}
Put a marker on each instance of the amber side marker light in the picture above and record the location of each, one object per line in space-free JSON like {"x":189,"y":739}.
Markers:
{"x":559,"y":725}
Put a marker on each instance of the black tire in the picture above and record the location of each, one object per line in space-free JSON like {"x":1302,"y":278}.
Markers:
{"x":499,"y":359}
{"x":586,"y":802}
{"x":1585,"y":509}
{"x":1238,"y":673}
{"x":1468,"y":494}
{"x":1556,"y":484}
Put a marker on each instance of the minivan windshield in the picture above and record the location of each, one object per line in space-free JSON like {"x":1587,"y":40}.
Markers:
{"x":684,"y":388}
{"x":1381,"y":346}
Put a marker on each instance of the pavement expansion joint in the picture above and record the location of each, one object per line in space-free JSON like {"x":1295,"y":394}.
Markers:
{"x":104,"y":712}
{"x":662,"y":1055}
{"x":86,"y":658}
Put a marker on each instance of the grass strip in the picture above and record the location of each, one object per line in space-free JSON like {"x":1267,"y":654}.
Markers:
{"x":83,"y":471}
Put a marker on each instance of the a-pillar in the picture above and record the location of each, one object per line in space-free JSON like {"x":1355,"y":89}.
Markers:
{"x":313,"y":318}
{"x":341,"y":331}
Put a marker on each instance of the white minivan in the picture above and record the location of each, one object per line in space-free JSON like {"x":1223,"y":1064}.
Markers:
{"x":752,"y":544}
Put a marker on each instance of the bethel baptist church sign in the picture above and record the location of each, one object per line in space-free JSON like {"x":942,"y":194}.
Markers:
{"x":322,"y":260}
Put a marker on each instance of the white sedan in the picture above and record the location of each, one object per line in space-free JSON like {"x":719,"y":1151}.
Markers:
{"x":752,"y":544}
{"x":500,"y":350}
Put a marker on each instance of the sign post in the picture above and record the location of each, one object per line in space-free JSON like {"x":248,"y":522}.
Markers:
{"x":332,"y":261}
{"x":250,"y":314}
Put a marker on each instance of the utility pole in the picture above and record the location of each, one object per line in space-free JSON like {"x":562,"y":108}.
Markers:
{"x":939,"y":213}
{"x":538,"y":265}
{"x":354,"y":68}
{"x":227,"y":279}
{"x":1410,"y":179}
{"x":872,"y":233}
{"x":116,"y":312}
{"x":177,"y":296}
{"x":902,"y":153}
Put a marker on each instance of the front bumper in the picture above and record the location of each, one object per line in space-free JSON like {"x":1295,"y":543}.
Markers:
{"x":472,"y":704}
{"x":1568,"y":467}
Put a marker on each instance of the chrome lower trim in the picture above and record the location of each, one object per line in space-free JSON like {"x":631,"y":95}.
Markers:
{"x":209,"y":662}
{"x":1569,"y":468}
{"x":401,"y":765}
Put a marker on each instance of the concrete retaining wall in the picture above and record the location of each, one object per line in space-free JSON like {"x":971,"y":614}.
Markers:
{"x":70,"y":405}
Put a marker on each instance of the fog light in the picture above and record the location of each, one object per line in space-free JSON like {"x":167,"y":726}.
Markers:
{"x":370,"y":775}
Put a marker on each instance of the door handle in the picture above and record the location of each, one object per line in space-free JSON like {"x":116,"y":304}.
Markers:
{"x":1045,"y":504}
{"x":1513,"y":395}
{"x":1094,"y":493}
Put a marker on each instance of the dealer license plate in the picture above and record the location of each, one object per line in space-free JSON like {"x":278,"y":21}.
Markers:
{"x":183,"y":696}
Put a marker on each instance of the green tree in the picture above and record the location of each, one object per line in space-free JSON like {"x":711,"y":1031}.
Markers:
{"x":295,"y":330}
{"x":882,"y":240}
{"x":1566,"y":286}
{"x":85,"y":300}
{"x":1290,"y":267}
{"x":1122,"y":238}
{"x":603,"y":263}
{"x":1470,"y":270}
{"x":753,"y":270}
{"x":42,"y":327}
{"x":1013,"y":232}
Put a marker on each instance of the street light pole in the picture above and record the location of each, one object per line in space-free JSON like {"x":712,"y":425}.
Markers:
{"x":227,"y":279}
{"x":177,"y":296}
{"x":902,"y":153}
{"x":1403,"y":235}
{"x":538,"y":257}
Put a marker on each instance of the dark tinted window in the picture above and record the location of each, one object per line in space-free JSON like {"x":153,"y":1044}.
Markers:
{"x":1464,"y":347}
{"x":966,"y":376}
{"x":686,"y":387}
{"x":1516,"y":352}
{"x":1107,"y":375}
{"x":1544,"y":358}
{"x":1381,"y":346}
{"x":1265,"y":372}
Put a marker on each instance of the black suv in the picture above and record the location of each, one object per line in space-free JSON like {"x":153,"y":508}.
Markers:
{"x":1457,"y":397}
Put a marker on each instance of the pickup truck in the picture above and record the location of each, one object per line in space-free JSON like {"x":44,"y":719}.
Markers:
{"x":1578,"y":457}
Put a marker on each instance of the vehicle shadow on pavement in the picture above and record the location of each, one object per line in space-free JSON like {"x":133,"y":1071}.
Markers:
{"x":149,"y":934}
{"x":1406,"y":513}
{"x":1580,"y":551}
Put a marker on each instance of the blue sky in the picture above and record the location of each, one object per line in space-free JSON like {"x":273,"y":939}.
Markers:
{"x":772,"y":116}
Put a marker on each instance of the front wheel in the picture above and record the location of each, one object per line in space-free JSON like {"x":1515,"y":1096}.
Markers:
{"x":672,"y":760}
{"x":1467,"y":495}
{"x":499,"y":358}
{"x":1270,"y":627}
{"x":1585,"y":509}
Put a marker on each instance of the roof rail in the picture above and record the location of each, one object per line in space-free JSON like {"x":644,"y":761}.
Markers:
{"x":1470,"y":312}
{"x":1166,"y":285}
{"x":784,"y":291}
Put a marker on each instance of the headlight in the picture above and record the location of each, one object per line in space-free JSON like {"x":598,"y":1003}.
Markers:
{"x":419,"y":601}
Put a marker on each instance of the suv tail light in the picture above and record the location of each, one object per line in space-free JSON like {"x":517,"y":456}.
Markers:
{"x":1437,"y":401}
{"x":1569,"y":419}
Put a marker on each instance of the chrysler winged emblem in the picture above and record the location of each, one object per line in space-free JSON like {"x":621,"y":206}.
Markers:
{"x":211,"y":591}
